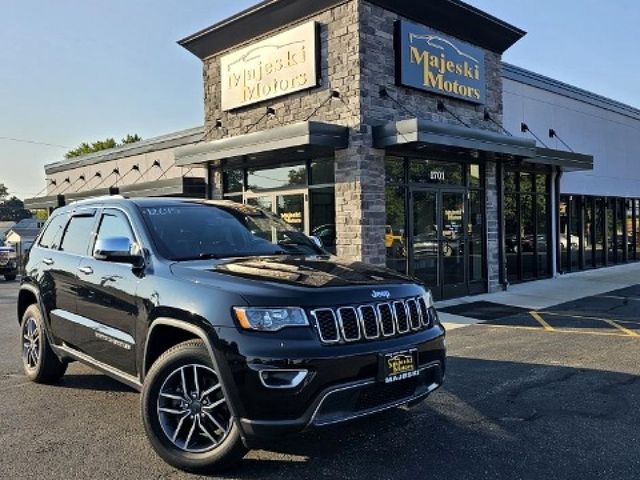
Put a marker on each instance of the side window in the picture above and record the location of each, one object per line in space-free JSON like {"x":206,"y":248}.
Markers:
{"x":53,"y":234}
{"x":114,"y":224}
{"x":77,"y":236}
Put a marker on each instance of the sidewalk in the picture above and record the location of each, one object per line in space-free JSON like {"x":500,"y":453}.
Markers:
{"x":542,"y":294}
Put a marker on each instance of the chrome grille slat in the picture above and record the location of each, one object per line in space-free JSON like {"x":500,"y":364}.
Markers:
{"x":414,"y":314}
{"x":369,"y":322}
{"x":387,"y":322}
{"x":327,"y":326}
{"x":349,"y":324}
{"x":402,"y":318}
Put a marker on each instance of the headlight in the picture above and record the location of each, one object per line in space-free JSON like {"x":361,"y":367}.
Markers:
{"x":270,"y":319}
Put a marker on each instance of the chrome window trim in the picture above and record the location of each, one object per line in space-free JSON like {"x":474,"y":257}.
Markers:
{"x":364,"y":330}
{"x":317,"y":324}
{"x":393,"y":319}
{"x":341,"y":323}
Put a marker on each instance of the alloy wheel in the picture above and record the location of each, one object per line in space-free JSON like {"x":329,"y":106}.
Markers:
{"x":193,"y":410}
{"x":31,"y":344}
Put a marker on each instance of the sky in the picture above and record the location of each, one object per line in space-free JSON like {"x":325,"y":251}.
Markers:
{"x":82,"y":70}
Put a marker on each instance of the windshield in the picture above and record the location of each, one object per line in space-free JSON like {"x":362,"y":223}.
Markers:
{"x":199,"y":231}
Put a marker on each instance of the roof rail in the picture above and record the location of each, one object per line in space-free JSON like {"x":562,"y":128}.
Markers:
{"x":97,"y":198}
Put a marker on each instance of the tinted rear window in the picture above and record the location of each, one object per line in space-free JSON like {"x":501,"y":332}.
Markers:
{"x":78,"y":235}
{"x":52,"y":235}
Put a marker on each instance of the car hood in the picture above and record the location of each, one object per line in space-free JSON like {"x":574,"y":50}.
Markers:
{"x":315,"y":272}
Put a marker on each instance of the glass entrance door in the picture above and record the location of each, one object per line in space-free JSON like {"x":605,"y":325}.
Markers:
{"x":290,"y":206}
{"x":439,"y":240}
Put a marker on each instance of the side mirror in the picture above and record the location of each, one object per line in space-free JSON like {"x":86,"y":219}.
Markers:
{"x":317,"y":242}
{"x":117,"y":250}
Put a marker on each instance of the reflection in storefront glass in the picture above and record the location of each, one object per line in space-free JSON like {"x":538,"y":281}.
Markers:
{"x":323,"y":217}
{"x":395,"y":237}
{"x":436,"y":172}
{"x":280,"y":177}
{"x":290,"y":208}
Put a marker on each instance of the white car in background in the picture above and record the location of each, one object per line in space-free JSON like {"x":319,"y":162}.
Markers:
{"x":8,"y":262}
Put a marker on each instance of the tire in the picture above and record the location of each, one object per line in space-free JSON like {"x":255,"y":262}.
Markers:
{"x":10,"y":278}
{"x":190,"y":416}
{"x":40,"y":364}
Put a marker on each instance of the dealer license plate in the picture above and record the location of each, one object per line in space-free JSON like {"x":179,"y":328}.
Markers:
{"x":397,"y":366}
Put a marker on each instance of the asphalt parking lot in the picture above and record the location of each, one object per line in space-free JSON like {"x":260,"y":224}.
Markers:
{"x":551,"y":394}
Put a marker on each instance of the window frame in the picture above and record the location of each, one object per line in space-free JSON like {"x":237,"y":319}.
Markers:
{"x":111,"y":211}
{"x":86,"y":213}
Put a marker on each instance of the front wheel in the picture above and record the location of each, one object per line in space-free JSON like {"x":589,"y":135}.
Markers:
{"x":41,"y":365}
{"x":186,"y":414}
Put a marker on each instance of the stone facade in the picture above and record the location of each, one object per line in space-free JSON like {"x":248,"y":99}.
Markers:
{"x":357,"y":59}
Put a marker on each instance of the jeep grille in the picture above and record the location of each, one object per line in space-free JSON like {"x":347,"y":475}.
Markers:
{"x":372,"y":321}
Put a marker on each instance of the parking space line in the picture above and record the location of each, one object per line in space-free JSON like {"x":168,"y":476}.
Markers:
{"x":536,"y":316}
{"x":558,"y":330}
{"x":627,"y":332}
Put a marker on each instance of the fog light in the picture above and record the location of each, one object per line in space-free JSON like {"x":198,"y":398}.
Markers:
{"x":282,"y":379}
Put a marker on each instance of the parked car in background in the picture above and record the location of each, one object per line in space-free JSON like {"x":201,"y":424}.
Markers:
{"x":8,"y":262}
{"x":235,"y":326}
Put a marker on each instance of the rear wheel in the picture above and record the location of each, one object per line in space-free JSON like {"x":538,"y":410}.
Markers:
{"x":40,"y":364}
{"x":186,"y":414}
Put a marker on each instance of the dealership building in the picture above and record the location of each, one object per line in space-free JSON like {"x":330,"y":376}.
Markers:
{"x":393,"y":131}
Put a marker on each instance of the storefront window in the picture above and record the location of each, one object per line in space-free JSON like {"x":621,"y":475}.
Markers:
{"x":599,"y":219}
{"x":395,"y":233}
{"x":233,"y":181}
{"x":621,"y":231}
{"x":611,"y":230}
{"x":589,"y":233}
{"x":281,"y":177}
{"x":564,"y":233}
{"x":436,"y":172}
{"x":575,"y":233}
{"x":637,"y":227}
{"x":323,"y":214}
{"x":394,"y":170}
{"x":474,"y":176}
{"x":322,"y":172}
{"x":527,"y":233}
{"x":630,"y":230}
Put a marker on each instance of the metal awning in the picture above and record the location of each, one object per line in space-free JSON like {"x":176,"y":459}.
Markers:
{"x":415,"y":133}
{"x":567,"y":161}
{"x":44,"y":203}
{"x":172,"y":187}
{"x":306,"y":138}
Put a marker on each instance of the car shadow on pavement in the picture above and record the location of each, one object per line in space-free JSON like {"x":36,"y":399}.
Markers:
{"x":493,"y":420}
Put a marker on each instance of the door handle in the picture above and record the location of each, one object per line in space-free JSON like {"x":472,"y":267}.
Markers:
{"x":48,"y":261}
{"x":86,"y":270}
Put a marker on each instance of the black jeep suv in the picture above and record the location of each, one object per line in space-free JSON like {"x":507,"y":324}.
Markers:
{"x":235,"y":326}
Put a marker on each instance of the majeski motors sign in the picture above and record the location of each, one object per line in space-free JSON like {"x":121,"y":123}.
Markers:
{"x":277,"y":66}
{"x":430,"y":61}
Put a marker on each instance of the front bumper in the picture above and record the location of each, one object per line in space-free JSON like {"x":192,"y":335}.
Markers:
{"x":342,"y":381}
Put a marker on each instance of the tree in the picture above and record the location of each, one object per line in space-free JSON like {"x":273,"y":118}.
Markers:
{"x":129,"y":139}
{"x":13,"y":210}
{"x":4,"y":191}
{"x":87,"y":148}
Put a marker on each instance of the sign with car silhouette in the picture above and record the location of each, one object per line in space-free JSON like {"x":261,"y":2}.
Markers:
{"x":430,"y":61}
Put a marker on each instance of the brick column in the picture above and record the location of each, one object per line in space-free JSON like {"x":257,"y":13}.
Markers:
{"x":360,"y":201}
